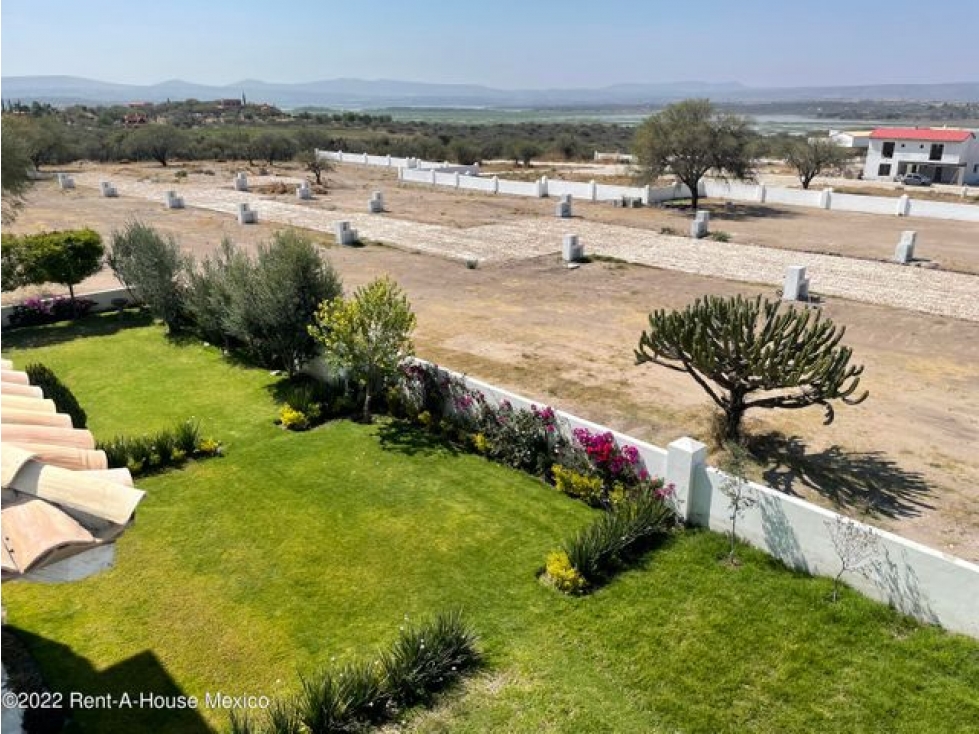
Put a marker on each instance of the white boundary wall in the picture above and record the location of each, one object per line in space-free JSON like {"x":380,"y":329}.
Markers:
{"x":103,"y":302}
{"x":924,"y":583}
{"x":712,"y":188}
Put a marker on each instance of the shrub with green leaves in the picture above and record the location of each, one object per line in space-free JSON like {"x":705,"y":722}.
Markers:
{"x":429,"y":657}
{"x":152,"y":268}
{"x":423,"y":660}
{"x":618,"y":536}
{"x":54,"y":389}
{"x":264,"y":305}
{"x":160,"y":450}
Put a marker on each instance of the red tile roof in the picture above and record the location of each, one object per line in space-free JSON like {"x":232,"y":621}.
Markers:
{"x":925,"y":134}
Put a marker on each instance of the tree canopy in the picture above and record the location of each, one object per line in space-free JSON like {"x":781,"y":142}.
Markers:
{"x":367,"y":336}
{"x":812,"y":156}
{"x":690,"y":138}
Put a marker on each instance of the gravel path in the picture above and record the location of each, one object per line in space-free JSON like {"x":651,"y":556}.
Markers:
{"x":954,"y":295}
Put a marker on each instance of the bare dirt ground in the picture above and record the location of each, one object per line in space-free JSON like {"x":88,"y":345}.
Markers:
{"x":909,"y":455}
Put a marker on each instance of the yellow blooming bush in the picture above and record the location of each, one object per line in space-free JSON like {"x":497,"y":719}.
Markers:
{"x":563,"y":575}
{"x":577,"y":485}
{"x":292,"y":419}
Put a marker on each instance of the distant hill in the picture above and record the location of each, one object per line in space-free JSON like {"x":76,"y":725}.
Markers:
{"x":357,"y":93}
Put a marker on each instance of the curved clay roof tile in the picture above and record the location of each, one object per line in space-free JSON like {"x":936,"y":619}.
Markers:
{"x":15,"y":388}
{"x":34,"y":418}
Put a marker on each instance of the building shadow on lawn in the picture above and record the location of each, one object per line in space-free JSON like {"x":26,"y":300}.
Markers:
{"x":868,"y":481}
{"x":405,"y":438}
{"x":142,"y":675}
{"x":102,"y":324}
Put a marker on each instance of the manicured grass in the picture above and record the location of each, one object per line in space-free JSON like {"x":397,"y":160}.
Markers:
{"x":297,"y":548}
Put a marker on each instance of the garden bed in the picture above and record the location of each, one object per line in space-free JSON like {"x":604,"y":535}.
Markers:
{"x":298,"y":548}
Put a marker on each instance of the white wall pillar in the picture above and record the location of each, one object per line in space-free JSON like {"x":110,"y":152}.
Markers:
{"x":496,"y":184}
{"x":903,"y":205}
{"x":686,"y":464}
{"x":762,"y":193}
{"x":826,"y":198}
{"x":593,"y":190}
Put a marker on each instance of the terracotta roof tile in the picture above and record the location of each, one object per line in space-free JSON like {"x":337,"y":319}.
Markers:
{"x":60,"y":499}
{"x":925,"y":134}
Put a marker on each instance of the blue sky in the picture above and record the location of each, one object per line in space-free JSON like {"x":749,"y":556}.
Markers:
{"x":502,"y":43}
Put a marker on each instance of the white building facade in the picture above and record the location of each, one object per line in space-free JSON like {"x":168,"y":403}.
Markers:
{"x":944,"y":155}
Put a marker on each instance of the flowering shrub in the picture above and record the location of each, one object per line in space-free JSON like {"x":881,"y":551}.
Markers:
{"x":528,"y":440}
{"x":37,"y":311}
{"x":613,"y":463}
{"x":292,"y":419}
{"x":581,"y":486}
{"x":562,"y":575}
{"x":171,"y":447}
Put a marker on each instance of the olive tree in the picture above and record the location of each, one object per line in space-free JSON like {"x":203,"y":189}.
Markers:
{"x":151,"y":267}
{"x":752,"y":353}
{"x":812,"y":156}
{"x":368,"y":336}
{"x":690,"y":138}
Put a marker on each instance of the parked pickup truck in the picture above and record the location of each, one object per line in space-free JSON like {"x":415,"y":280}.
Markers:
{"x":915,"y":179}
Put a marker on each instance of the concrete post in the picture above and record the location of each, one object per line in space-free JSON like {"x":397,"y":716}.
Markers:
{"x":825,"y":198}
{"x":686,"y":462}
{"x":366,"y":160}
{"x":593,"y":190}
{"x":796,"y":286}
{"x":456,"y":181}
{"x":762,"y":193}
{"x":432,"y":171}
{"x":571,"y":248}
{"x":389,"y":160}
{"x":903,"y":205}
{"x":904,"y":253}
{"x":542,"y":187}
{"x":647,"y":195}
{"x":496,"y":184}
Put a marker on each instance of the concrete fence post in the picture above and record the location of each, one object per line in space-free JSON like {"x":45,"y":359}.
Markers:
{"x":686,"y":461}
{"x":389,"y":160}
{"x":542,"y":187}
{"x":366,"y":159}
{"x":432,"y":171}
{"x":456,"y":181}
{"x":762,"y":193}
{"x":903,"y":205}
{"x":826,"y":199}
{"x":496,"y":184}
{"x":593,"y":190}
{"x":647,"y":195}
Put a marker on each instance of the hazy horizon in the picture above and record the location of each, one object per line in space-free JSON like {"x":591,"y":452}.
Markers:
{"x":508,"y":45}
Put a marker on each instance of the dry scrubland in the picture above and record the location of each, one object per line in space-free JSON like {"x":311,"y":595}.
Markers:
{"x":912,"y":449}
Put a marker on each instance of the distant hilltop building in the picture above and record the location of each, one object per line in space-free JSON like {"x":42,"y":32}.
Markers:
{"x":233,"y":103}
{"x":942,"y":155}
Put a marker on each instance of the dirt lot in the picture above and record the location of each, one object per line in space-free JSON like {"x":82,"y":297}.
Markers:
{"x":911,"y":450}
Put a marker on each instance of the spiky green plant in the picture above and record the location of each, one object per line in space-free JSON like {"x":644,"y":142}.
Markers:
{"x":753,"y":353}
{"x":600,"y":548}
{"x":429,"y":657}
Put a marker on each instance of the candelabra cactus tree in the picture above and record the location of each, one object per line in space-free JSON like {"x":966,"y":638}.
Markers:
{"x":752,"y":353}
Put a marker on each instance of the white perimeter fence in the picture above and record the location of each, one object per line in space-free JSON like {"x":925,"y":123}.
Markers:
{"x":934,"y":587}
{"x":416,"y":170}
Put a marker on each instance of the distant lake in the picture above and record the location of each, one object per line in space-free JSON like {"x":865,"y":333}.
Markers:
{"x":765,"y":124}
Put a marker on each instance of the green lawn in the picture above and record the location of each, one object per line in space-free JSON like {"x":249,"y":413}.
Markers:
{"x":295,"y":549}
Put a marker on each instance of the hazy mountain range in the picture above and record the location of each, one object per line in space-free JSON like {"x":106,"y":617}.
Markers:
{"x":360,"y":93}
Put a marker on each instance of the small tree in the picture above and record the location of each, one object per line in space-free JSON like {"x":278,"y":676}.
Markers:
{"x":368,"y":335}
{"x":66,"y":257}
{"x":812,"y":156}
{"x":272,"y":147}
{"x":689,"y":139}
{"x":750,"y":346}
{"x":14,"y":168}
{"x":738,"y":491}
{"x":264,"y":304}
{"x":315,"y":164}
{"x":158,"y":142}
{"x":855,"y":546}
{"x":151,"y":267}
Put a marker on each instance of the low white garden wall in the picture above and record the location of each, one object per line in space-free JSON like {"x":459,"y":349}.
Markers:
{"x":934,"y":587}
{"x":103,"y":302}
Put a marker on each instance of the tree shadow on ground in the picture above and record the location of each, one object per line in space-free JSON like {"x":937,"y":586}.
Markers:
{"x":867,"y":481}
{"x":734,"y":212}
{"x":403,"y":437}
{"x":66,"y":672}
{"x":102,"y":324}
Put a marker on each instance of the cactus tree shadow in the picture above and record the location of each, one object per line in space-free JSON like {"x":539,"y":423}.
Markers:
{"x":868,"y":481}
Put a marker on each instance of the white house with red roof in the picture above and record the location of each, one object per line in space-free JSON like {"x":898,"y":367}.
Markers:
{"x":944,"y":155}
